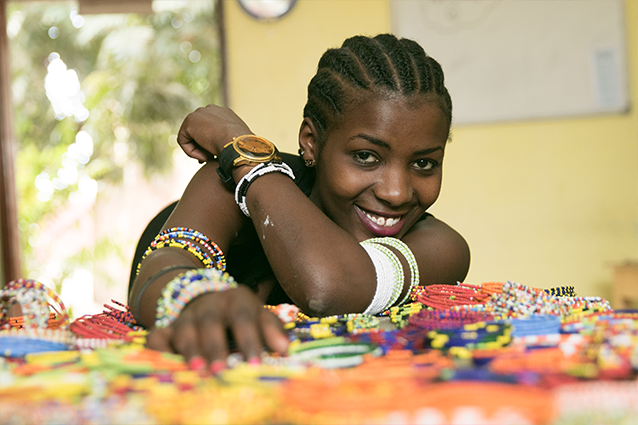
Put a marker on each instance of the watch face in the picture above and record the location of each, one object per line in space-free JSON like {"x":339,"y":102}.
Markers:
{"x":254,"y":147}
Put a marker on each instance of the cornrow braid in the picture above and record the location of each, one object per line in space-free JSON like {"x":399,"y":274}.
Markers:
{"x":381,"y":64}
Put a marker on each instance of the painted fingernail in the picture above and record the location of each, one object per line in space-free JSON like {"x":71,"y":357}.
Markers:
{"x":217,"y":366}
{"x":197,"y":363}
{"x":254,"y":361}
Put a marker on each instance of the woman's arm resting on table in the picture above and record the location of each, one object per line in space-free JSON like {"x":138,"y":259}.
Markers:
{"x":200,"y":330}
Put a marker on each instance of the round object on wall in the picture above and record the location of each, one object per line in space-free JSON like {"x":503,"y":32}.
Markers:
{"x":267,"y":10}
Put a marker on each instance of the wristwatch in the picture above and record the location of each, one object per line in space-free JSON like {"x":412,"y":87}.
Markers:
{"x":245,"y":150}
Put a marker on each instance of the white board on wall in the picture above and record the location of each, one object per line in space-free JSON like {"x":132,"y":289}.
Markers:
{"x":523,"y":59}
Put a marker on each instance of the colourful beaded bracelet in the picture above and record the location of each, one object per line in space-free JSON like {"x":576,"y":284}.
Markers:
{"x":32,"y":297}
{"x":446,"y":296}
{"x":174,"y":237}
{"x":188,"y":233}
{"x":184,"y":288}
{"x":472,"y":336}
{"x":189,"y":246}
{"x":331,"y":353}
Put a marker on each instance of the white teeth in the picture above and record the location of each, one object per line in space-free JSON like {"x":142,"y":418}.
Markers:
{"x":382,"y":221}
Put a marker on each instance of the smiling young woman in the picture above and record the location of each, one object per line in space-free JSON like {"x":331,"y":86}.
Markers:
{"x":341,"y":228}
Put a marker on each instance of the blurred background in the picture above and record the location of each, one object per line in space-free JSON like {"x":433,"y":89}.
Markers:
{"x":541,"y":175}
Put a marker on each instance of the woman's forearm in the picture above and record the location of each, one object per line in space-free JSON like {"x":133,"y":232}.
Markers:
{"x":322,"y":268}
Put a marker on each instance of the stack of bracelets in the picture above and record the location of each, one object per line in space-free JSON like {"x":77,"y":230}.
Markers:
{"x":539,"y":324}
{"x":330,"y":353}
{"x":479,"y":335}
{"x":429,"y":320}
{"x":307,"y":328}
{"x":181,"y":237}
{"x":446,"y":296}
{"x":184,"y":288}
{"x":518,"y":300}
{"x":389,"y":271}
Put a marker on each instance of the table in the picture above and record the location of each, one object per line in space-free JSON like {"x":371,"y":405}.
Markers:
{"x":543,"y":359}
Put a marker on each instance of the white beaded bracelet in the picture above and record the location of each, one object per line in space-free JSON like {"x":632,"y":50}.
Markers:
{"x":401,"y":246}
{"x":383,"y":291}
{"x":386,"y":282}
{"x":265,"y":168}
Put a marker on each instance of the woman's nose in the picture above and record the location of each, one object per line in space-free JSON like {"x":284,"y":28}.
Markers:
{"x":394,"y":186}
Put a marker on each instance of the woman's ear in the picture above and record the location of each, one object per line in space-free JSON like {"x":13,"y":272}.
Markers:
{"x":308,"y":138}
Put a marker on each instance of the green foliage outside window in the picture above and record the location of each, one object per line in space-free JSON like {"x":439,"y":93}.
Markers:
{"x":139,"y":76}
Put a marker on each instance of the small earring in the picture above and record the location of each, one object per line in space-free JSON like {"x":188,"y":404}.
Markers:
{"x":311,"y":163}
{"x":301,"y":152}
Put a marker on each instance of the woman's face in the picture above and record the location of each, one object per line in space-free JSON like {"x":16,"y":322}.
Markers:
{"x":380,"y":167}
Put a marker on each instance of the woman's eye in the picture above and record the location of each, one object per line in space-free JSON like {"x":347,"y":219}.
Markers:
{"x":365,"y":157}
{"x":424,"y":164}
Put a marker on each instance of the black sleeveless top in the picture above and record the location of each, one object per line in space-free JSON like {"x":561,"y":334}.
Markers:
{"x":245,"y":259}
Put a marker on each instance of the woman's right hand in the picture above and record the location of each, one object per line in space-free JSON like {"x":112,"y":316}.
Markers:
{"x":207,"y":130}
{"x":200,"y":331}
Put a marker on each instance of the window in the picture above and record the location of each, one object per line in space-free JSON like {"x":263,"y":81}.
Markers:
{"x":97,"y":102}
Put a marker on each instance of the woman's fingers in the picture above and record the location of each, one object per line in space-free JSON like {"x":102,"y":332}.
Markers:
{"x":189,"y":145}
{"x":160,"y":339}
{"x":213,"y":342}
{"x":185,"y":339}
{"x":273,"y":332}
{"x":200,"y":334}
{"x":247,"y":335}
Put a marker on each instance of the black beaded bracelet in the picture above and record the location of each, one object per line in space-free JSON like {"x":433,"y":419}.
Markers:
{"x":152,"y":279}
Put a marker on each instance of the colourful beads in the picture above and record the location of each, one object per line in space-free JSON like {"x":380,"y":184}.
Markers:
{"x":180,"y":237}
{"x":32,"y":297}
{"x":184,"y":288}
{"x":446,"y":296}
{"x":561,"y":291}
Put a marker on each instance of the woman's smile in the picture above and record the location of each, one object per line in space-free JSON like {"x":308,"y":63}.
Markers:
{"x":380,"y":225}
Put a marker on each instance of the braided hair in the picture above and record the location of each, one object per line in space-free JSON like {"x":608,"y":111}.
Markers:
{"x":382,"y":65}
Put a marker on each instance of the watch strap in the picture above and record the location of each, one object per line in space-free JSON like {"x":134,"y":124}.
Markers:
{"x":226,"y":158}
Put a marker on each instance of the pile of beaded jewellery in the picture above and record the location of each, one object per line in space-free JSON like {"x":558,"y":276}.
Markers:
{"x":99,"y":330}
{"x":389,"y":271}
{"x":32,"y":297}
{"x":180,"y":237}
{"x":446,"y":296}
{"x":518,"y":300}
{"x":313,"y":328}
{"x":184,"y":288}
{"x":479,"y":335}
